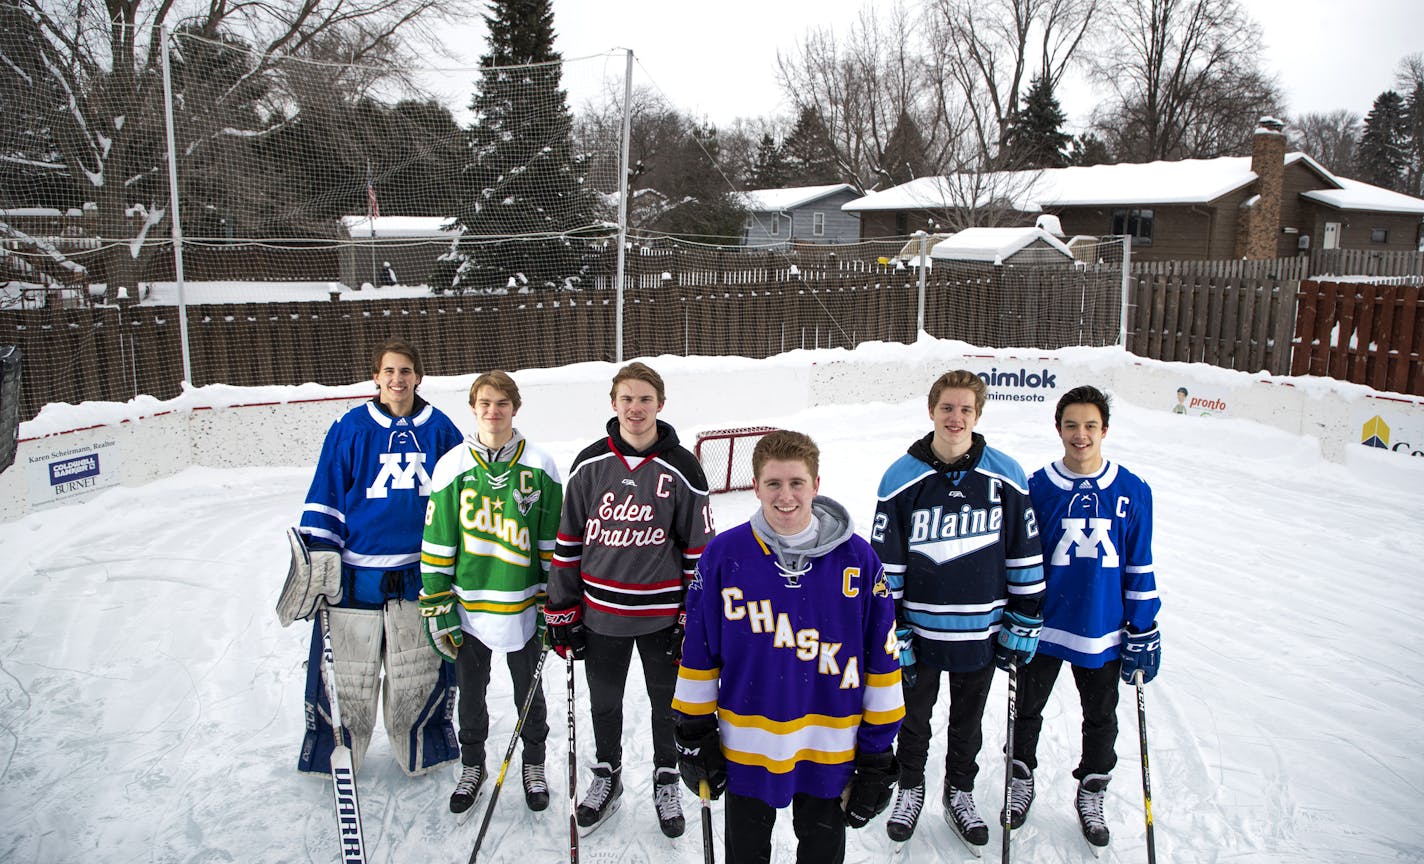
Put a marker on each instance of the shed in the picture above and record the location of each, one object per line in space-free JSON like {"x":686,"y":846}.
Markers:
{"x":1003,"y":246}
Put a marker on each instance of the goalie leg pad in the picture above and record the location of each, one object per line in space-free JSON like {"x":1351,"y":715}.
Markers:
{"x":312,"y":575}
{"x":419,"y":694}
{"x":356,"y":646}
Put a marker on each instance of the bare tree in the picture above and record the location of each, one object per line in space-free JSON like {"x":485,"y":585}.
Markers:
{"x":1329,"y":139}
{"x":106,"y":135}
{"x":1410,"y":80}
{"x":985,"y":52}
{"x":1185,"y":79}
{"x":862,"y":87}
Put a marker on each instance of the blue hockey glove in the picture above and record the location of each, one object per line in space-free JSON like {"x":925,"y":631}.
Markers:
{"x":699,"y":754}
{"x":869,"y":791}
{"x":905,"y":645}
{"x":1141,"y":652}
{"x":442,"y":624}
{"x":1018,"y":637}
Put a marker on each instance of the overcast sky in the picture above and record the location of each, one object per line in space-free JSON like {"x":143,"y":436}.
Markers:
{"x":718,"y":59}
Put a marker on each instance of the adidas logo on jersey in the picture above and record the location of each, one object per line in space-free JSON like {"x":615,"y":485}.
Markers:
{"x":955,"y":493}
{"x":1085,"y":485}
{"x":629,"y":481}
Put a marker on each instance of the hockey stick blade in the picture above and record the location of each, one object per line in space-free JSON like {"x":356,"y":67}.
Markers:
{"x":348,"y":806}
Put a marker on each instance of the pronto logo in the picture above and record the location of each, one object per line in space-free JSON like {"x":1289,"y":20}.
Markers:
{"x":77,"y":468}
{"x":1207,"y":404}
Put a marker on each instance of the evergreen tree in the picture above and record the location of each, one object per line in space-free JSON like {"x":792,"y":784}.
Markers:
{"x":810,"y":160}
{"x":704,"y":208}
{"x":1036,"y":138}
{"x":1414,"y":118}
{"x":1089,"y":149}
{"x":523,"y":183}
{"x":1383,"y":154}
{"x":769,"y":170}
{"x":904,"y":156}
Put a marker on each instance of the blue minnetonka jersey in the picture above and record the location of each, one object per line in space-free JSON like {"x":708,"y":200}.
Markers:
{"x":799,"y":665}
{"x":372,"y":481}
{"x":959,"y":544}
{"x":1097,"y":540}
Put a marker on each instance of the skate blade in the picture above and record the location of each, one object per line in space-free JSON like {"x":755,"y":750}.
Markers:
{"x":612,"y":809}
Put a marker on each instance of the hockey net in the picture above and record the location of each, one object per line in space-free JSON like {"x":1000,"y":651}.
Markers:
{"x":726,"y":456}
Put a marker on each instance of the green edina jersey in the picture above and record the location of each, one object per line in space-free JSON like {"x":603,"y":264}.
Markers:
{"x":489,"y":536}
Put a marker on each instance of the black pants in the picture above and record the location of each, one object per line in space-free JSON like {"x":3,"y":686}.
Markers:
{"x":605,"y":667}
{"x":1097,"y":692}
{"x":818,"y":822}
{"x":472,"y":675}
{"x":968,"y":692}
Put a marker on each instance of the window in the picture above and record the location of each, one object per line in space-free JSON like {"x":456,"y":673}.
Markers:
{"x":1379,"y":235}
{"x":818,"y":224}
{"x":1137,"y":224}
{"x":775,"y":224}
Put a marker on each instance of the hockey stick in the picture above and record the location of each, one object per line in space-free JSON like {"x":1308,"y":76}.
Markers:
{"x":1009,"y":753}
{"x":1146,"y":774}
{"x":573,"y":770}
{"x":343,"y":774}
{"x":509,"y":751}
{"x":709,"y":855}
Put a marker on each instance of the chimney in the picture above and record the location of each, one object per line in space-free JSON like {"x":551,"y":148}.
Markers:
{"x":1261,"y":215}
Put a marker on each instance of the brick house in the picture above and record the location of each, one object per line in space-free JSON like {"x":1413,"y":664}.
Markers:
{"x":1271,"y":204}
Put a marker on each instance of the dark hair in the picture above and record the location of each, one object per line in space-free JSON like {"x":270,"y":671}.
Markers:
{"x":1085,"y":395}
{"x":784,"y":445}
{"x":960,"y":379}
{"x":396,"y":345}
{"x":499,"y":380}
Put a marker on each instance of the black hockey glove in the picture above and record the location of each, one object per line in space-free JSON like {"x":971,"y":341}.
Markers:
{"x":566,"y":633}
{"x":869,"y":791}
{"x":674,"y":646}
{"x":699,"y":754}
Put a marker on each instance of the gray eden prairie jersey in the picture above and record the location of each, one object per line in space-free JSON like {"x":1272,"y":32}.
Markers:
{"x":632,"y":528}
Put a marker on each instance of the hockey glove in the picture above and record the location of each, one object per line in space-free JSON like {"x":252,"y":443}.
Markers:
{"x":541,"y":625}
{"x":566,"y":633}
{"x":1141,"y":652}
{"x":869,"y":791}
{"x":699,"y":754}
{"x":905,"y":647}
{"x":313,"y":578}
{"x":674,"y":646}
{"x":1018,"y":637}
{"x":442,"y":623}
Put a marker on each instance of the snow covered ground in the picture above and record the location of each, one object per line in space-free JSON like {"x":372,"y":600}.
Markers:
{"x":150,"y":704}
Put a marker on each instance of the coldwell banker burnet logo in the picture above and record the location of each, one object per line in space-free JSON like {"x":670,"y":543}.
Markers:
{"x":70,"y":474}
{"x":1375,"y":433}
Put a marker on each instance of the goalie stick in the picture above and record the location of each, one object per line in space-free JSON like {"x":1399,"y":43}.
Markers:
{"x":343,"y":774}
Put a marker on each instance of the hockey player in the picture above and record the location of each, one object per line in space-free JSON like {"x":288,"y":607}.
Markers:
{"x":789,"y":691}
{"x":1100,"y":606}
{"x":634,"y":522}
{"x":489,"y":536}
{"x":957,"y":535}
{"x":362,"y":523}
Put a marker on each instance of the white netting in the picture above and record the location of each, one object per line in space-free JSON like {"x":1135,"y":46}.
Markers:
{"x":726,"y":456}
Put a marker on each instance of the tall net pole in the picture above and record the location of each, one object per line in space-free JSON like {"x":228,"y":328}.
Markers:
{"x":623,"y":202}
{"x":174,"y":221}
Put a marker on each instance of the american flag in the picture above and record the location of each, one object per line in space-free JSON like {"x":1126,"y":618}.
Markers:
{"x":373,"y":208}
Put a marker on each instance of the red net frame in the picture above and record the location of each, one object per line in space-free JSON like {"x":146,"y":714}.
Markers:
{"x":726,"y":456}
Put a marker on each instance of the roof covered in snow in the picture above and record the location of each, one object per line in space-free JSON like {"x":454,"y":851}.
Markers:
{"x":1189,"y":181}
{"x":1355,"y":195}
{"x":767,"y":200}
{"x":996,"y":245}
{"x":398,"y":226}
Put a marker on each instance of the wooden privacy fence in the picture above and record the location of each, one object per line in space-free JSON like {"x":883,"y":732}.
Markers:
{"x":117,"y":352}
{"x":1366,"y":262}
{"x":1236,"y":323}
{"x":1362,"y":332}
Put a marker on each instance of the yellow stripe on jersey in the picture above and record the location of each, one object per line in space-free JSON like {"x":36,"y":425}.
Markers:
{"x":784,"y":727}
{"x":496,"y":607}
{"x":786,"y":766}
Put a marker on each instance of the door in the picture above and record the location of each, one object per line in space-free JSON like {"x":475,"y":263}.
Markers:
{"x":1332,"y":236}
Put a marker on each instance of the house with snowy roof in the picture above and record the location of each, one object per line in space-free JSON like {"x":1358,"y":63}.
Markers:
{"x":800,"y":214}
{"x":416,"y":242}
{"x":1271,"y":204}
